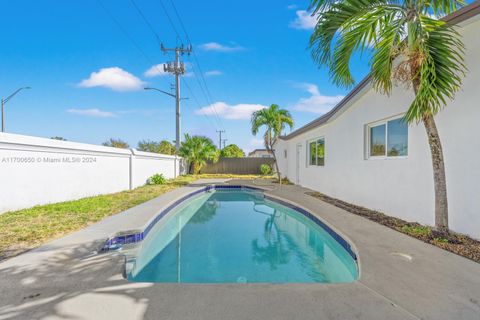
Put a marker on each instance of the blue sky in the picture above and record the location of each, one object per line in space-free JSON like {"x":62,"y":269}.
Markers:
{"x":87,"y":75}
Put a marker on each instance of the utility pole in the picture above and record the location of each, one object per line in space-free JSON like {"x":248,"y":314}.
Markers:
{"x":176,"y":67}
{"x":220,"y":138}
{"x":224,"y":142}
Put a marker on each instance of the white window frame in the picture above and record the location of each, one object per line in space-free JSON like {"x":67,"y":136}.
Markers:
{"x":368,"y":139}
{"x":308,"y":152}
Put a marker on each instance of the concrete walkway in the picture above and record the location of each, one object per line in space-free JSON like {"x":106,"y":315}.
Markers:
{"x":66,"y":279}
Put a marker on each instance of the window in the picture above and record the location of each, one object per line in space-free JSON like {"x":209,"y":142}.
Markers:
{"x":316,"y":152}
{"x":388,"y":139}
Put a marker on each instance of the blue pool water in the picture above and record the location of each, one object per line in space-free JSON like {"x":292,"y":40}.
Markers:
{"x":238,"y":236}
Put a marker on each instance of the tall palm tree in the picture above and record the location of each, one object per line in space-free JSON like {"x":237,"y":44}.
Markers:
{"x":409,"y":46}
{"x":274,"y":119}
{"x":197,"y":150}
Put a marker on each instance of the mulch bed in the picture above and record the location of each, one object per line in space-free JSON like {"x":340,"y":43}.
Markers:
{"x":454,"y":242}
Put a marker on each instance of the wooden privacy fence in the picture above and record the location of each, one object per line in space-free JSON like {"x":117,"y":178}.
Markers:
{"x":237,"y":165}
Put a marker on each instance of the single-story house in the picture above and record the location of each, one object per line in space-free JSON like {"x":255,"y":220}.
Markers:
{"x":363,"y":153}
{"x":260,"y":153}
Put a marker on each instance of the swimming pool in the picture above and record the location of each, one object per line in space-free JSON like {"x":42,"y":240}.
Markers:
{"x":239,"y":236}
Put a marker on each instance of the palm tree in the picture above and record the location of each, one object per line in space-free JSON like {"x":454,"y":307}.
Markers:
{"x":408,"y":46}
{"x":197,"y":150}
{"x":275,"y":120}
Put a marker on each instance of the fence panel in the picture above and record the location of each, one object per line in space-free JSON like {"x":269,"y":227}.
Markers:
{"x":237,"y":165}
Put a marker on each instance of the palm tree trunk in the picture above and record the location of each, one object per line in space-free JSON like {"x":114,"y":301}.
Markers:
{"x":196,"y":168}
{"x":439,"y":179}
{"x":276,"y":163}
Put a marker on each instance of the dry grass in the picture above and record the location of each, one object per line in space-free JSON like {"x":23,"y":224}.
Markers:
{"x":28,"y":228}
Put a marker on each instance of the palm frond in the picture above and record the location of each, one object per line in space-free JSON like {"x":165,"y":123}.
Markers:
{"x":348,"y":26}
{"x":441,"y":74}
{"x":443,"y":7}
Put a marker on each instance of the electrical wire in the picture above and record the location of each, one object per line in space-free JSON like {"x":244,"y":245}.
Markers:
{"x":198,"y":75}
{"x":135,"y":44}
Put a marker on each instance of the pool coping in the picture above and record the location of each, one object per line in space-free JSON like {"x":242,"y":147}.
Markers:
{"x":73,"y":279}
{"x":134,"y":237}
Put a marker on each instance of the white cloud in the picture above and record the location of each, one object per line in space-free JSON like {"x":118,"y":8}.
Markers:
{"x":256,"y":143}
{"x":114,"y":78}
{"x":232,"y":112}
{"x":155,"y":71}
{"x":304,"y":20}
{"x":215,"y":46}
{"x":316,"y":103}
{"x":213,"y":73}
{"x":292,"y":7}
{"x":94,"y":112}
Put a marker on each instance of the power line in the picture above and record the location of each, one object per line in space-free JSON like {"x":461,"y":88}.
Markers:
{"x":152,"y":29}
{"x":145,"y":20}
{"x":207,"y":91}
{"x":124,"y":31}
{"x":170,"y":19}
{"x":196,"y":101}
{"x":135,"y":44}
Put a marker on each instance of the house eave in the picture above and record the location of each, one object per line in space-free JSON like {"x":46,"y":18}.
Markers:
{"x":458,"y":17}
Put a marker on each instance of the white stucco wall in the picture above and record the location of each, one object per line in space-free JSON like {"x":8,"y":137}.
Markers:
{"x":146,"y":164}
{"x":37,"y":171}
{"x":401,"y":187}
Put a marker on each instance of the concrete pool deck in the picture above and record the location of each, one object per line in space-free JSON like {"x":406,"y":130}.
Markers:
{"x":66,"y":279}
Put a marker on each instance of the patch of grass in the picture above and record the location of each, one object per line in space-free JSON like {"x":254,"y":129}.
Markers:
{"x":441,"y":240}
{"x":25,"y":229}
{"x":417,"y":230}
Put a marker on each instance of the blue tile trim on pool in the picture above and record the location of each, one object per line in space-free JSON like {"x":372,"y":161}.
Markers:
{"x":117,"y":242}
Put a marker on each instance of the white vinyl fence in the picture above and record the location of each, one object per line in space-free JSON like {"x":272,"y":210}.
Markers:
{"x":36,"y":171}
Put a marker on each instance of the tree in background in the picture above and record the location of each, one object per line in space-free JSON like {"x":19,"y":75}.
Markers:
{"x":430,"y":60}
{"x":163,"y":147}
{"x":116,"y":143}
{"x":232,"y":151}
{"x":274,"y":120}
{"x":196,"y":150}
{"x":58,"y":138}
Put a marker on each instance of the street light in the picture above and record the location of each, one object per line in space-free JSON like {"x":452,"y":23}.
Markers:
{"x":177,"y":98}
{"x":167,"y":93}
{"x":4,"y":101}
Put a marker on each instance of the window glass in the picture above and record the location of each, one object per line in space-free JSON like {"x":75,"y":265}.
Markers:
{"x":397,"y":138}
{"x":312,"y":153}
{"x":377,"y":140}
{"x":320,"y":152}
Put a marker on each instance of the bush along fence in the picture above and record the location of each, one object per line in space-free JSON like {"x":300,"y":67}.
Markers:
{"x":38,"y":171}
{"x":237,"y":166}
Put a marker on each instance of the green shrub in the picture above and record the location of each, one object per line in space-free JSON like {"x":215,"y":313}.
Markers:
{"x":265,"y":169}
{"x":157,"y":179}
